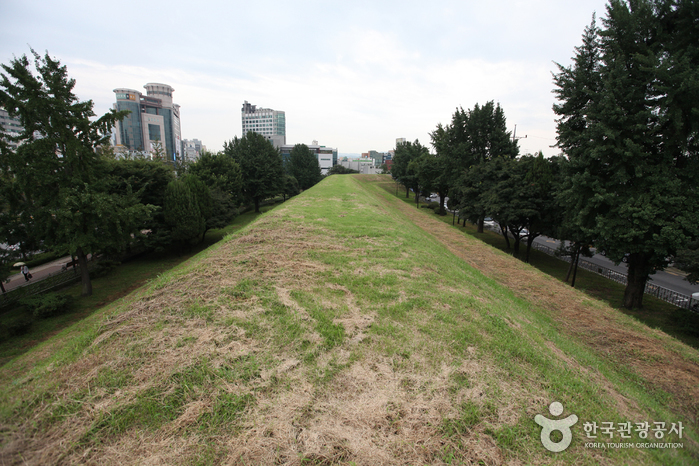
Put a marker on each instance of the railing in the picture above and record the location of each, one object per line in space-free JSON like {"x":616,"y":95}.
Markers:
{"x":50,"y":282}
{"x":678,"y":299}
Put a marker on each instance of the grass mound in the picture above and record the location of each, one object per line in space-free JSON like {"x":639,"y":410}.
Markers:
{"x":344,"y":327}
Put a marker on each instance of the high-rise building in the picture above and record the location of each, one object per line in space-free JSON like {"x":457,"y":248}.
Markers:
{"x":192,"y":149}
{"x":10,"y":126}
{"x":154,"y":120}
{"x":265,"y":121}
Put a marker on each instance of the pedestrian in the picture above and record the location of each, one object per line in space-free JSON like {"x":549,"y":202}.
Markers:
{"x":25,"y":272}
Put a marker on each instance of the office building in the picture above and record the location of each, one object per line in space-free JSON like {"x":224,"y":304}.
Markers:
{"x":154,"y":121}
{"x":192,"y":149}
{"x":10,"y":126}
{"x":327,"y":156}
{"x":265,"y":121}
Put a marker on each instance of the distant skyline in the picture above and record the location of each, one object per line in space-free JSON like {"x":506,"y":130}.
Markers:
{"x":353,"y":76}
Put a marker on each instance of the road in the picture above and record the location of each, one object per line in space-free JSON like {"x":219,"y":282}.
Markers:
{"x":672,"y":279}
{"x":38,"y":273}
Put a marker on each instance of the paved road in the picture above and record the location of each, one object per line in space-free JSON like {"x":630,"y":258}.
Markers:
{"x":38,"y":273}
{"x":672,"y":279}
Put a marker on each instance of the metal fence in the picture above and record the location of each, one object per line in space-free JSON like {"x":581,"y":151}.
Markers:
{"x":678,"y":299}
{"x":52,"y":281}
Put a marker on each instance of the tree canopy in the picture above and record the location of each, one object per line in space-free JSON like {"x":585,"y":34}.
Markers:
{"x":260,"y":164}
{"x":629,"y":123}
{"x":53,"y":182}
{"x":303,"y":165}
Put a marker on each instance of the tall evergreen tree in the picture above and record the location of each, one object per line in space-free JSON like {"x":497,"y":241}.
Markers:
{"x":629,"y":127}
{"x":406,"y":153}
{"x":182,"y":213}
{"x":474,"y":138}
{"x":303,"y":165}
{"x":260,"y":164}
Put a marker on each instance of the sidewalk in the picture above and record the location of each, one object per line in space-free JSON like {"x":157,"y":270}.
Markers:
{"x":38,"y":273}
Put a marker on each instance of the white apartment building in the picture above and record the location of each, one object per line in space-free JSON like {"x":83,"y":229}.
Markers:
{"x":265,"y":121}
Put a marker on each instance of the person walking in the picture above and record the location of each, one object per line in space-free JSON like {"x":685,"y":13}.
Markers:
{"x":25,"y":272}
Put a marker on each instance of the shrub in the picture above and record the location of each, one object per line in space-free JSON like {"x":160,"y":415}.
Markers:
{"x":47,"y":305}
{"x":18,"y":326}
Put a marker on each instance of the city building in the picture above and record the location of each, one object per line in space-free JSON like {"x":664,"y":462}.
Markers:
{"x":154,"y":121}
{"x":10,"y":126}
{"x":192,"y":149}
{"x":363,"y":166}
{"x":327,"y":156}
{"x":265,"y":121}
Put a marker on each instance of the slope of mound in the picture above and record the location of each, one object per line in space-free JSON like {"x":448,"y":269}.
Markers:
{"x":344,"y":328}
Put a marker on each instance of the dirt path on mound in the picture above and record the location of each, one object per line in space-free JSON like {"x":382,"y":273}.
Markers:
{"x":650,"y":354}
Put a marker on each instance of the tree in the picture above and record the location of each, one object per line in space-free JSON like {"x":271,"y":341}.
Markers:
{"x":260,"y":164}
{"x":405,"y":153}
{"x":182,"y":213}
{"x":157,"y":152}
{"x":219,"y":171}
{"x":55,"y":192}
{"x":630,"y":128}
{"x":202,"y":197}
{"x":291,"y":187}
{"x":475,"y":137}
{"x":341,"y":170}
{"x":303,"y":165}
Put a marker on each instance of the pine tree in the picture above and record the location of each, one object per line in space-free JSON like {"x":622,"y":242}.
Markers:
{"x":303,"y":165}
{"x":630,"y":138}
{"x":260,"y":164}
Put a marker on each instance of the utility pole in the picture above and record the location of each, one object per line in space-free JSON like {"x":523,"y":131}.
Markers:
{"x":514,"y":135}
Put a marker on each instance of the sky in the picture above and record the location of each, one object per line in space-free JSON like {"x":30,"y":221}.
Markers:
{"x":352,"y":75}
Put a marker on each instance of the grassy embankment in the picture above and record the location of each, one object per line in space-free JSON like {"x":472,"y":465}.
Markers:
{"x":680,"y":323}
{"x":345,"y":327}
{"x":119,"y":282}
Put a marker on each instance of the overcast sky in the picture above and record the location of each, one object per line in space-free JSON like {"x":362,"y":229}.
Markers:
{"x":353,"y":75}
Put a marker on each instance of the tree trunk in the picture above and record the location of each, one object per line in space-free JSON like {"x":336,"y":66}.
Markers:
{"x":257,"y":205}
{"x":530,"y":241}
{"x":636,"y":285}
{"x":516,"y":244}
{"x":572,"y":262}
{"x":503,"y":229}
{"x":575,"y":268}
{"x":407,"y":192}
{"x":417,"y":198}
{"x":453,"y":218}
{"x":84,"y":273}
{"x":481,"y":222}
{"x":2,"y":287}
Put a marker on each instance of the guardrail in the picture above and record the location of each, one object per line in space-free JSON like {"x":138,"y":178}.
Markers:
{"x":50,"y":282}
{"x":678,"y":299}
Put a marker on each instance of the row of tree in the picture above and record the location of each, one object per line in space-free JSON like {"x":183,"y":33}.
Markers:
{"x":628,"y":127}
{"x":63,"y":189}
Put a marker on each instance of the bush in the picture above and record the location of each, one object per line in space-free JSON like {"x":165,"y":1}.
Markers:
{"x":43,"y":258}
{"x":47,"y":305}
{"x":103,"y":267}
{"x":18,"y":326}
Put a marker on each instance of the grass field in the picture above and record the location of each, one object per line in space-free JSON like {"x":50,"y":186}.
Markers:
{"x":119,"y":282}
{"x":346,"y":327}
{"x":680,"y":323}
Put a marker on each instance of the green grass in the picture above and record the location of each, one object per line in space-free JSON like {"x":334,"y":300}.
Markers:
{"x":117,"y":283}
{"x":656,"y":313}
{"x":374,"y":310}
